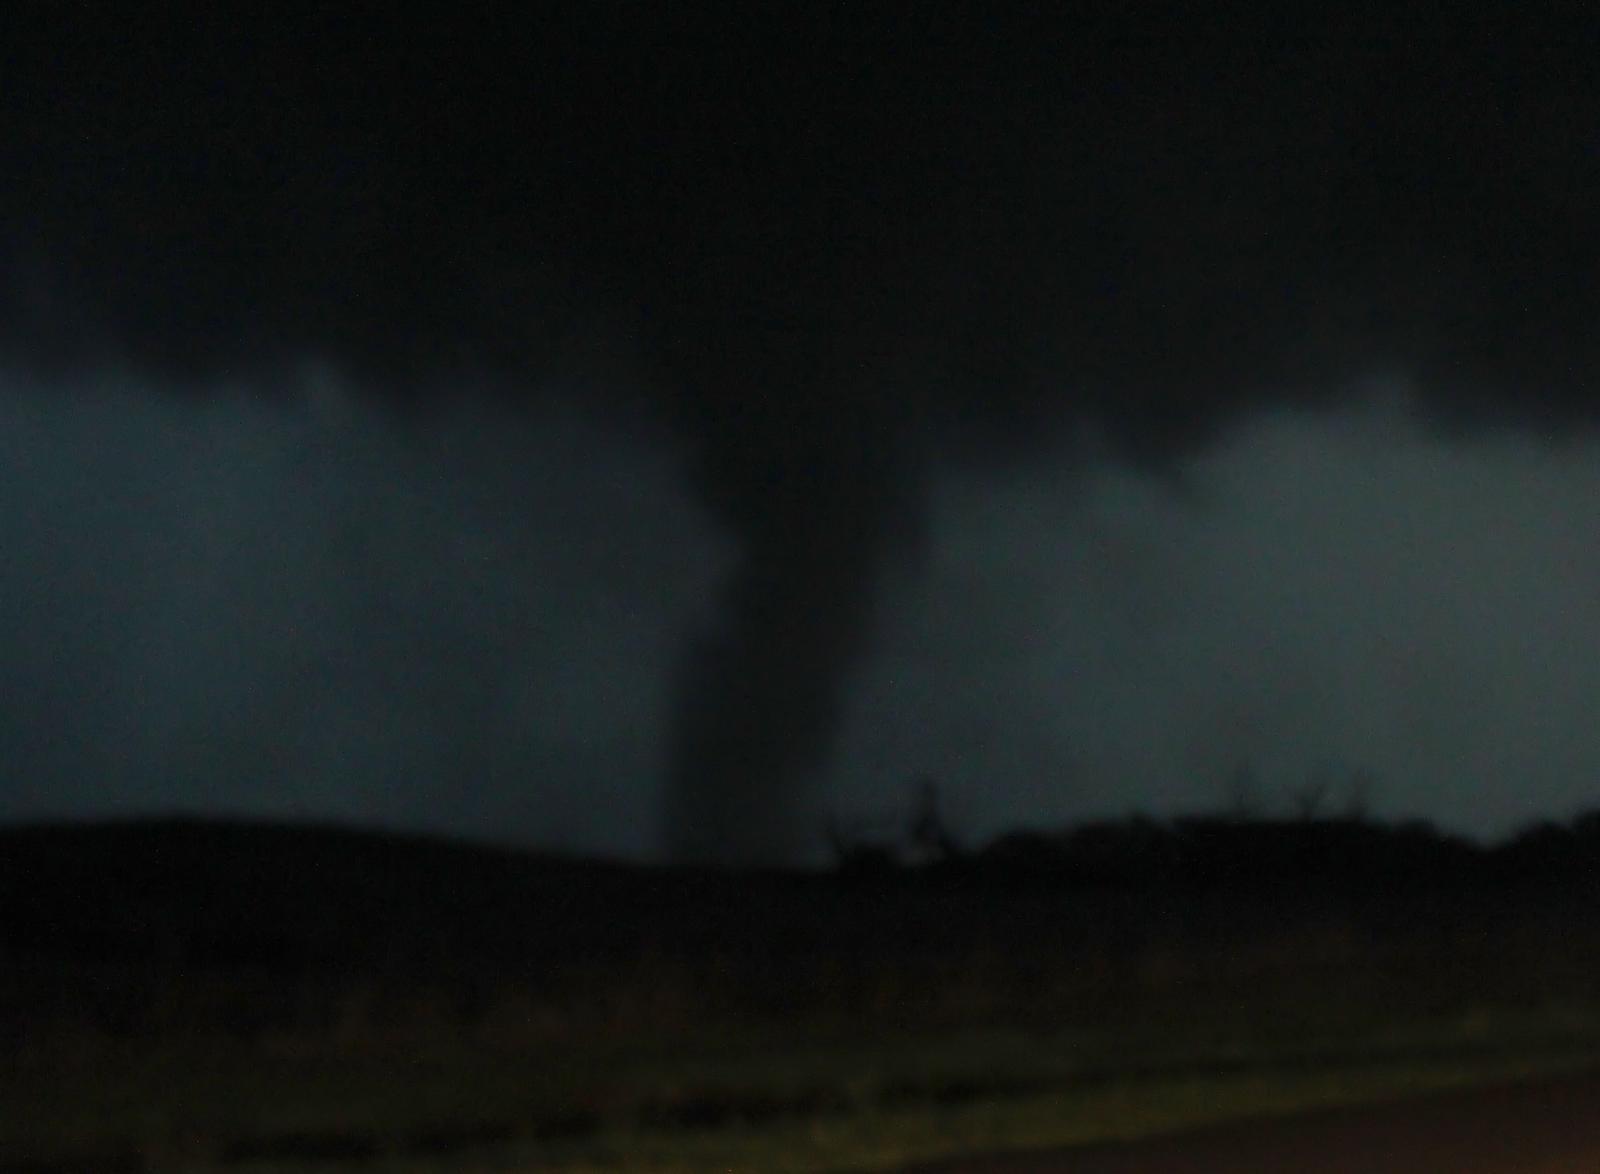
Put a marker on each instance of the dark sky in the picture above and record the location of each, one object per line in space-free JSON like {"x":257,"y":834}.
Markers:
{"x":639,"y":432}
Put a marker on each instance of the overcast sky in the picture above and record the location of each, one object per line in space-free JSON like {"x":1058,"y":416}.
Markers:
{"x":612,"y":427}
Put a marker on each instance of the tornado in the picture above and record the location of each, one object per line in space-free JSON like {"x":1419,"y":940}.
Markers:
{"x":817,"y":506}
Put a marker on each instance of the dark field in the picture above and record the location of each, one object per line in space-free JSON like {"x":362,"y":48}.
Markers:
{"x":183,"y":995}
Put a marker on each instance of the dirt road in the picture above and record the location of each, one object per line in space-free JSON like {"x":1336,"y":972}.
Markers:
{"x":1548,"y":1126}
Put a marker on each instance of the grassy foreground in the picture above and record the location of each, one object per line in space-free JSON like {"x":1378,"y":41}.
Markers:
{"x":337,"y":1002}
{"x":757,"y":1102}
{"x":1113,"y":1110}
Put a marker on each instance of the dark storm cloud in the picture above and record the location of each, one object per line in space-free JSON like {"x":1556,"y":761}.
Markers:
{"x":810,"y":245}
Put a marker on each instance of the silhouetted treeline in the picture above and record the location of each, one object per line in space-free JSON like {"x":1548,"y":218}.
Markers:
{"x":1239,"y":852}
{"x":1232,"y":850}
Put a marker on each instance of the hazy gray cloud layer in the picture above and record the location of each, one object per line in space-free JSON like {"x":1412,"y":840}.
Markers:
{"x":303,"y":606}
{"x":1321,"y":593}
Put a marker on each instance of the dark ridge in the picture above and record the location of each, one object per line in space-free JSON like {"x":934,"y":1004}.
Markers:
{"x":247,"y":896}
